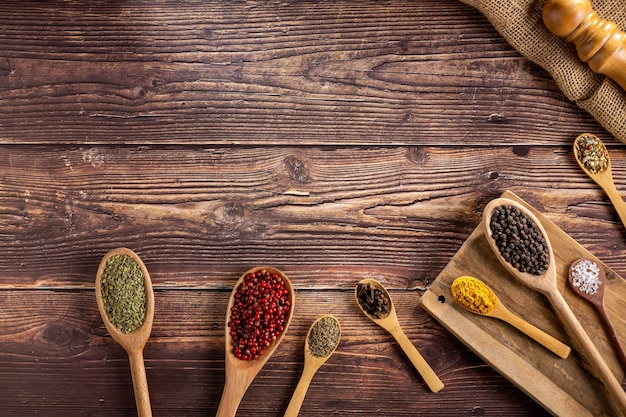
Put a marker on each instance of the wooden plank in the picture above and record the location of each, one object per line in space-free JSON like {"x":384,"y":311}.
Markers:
{"x":198,"y":216}
{"x":562,"y":386}
{"x":334,"y":140}
{"x":61,"y":347}
{"x":400,"y":72}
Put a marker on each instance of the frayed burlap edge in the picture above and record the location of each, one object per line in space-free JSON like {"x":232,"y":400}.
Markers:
{"x":520,"y":23}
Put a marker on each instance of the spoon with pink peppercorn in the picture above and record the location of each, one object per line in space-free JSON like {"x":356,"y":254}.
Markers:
{"x":258,"y":314}
{"x":587,"y":278}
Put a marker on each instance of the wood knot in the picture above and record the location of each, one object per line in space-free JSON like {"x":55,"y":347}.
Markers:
{"x":296,"y":169}
{"x":230,"y":212}
{"x":418,"y":155}
{"x":521,"y":150}
{"x":57,"y":334}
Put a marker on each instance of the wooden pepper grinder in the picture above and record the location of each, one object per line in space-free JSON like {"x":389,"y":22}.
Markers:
{"x":599,"y":42}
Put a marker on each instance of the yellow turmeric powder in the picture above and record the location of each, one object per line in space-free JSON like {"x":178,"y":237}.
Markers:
{"x":473,"y":294}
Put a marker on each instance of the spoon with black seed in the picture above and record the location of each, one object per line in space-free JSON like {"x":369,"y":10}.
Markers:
{"x":375,"y":302}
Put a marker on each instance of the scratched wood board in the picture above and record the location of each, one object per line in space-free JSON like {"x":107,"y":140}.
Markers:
{"x":564,"y":387}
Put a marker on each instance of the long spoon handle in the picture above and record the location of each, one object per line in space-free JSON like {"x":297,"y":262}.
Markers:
{"x":617,"y":345}
{"x":430,"y":377}
{"x":140,"y":383}
{"x":616,"y":199}
{"x":298,"y":396}
{"x":594,"y":357}
{"x":233,"y":393}
{"x":541,"y":337}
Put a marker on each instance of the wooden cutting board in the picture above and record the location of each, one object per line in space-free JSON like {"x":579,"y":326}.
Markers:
{"x":564,"y":387}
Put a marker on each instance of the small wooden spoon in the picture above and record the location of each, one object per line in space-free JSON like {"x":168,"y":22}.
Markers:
{"x":240,"y":373}
{"x":546,"y":284}
{"x":133,"y":342}
{"x":603,"y":178}
{"x":311,"y":364}
{"x":391,"y":324}
{"x":499,"y":311}
{"x":597,"y":299}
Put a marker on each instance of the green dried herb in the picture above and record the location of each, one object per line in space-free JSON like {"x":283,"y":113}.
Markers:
{"x":592,"y":153}
{"x":324,"y":336}
{"x":123,"y":293}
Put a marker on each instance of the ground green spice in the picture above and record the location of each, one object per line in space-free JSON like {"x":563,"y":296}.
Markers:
{"x":324,"y":336}
{"x":592,"y":153}
{"x":123,"y":293}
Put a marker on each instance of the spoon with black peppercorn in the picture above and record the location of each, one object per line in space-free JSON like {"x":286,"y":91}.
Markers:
{"x":545,"y":282}
{"x":314,"y":358}
{"x":239,"y":372}
{"x":364,"y":293}
{"x":133,"y":341}
{"x":587,"y":278}
{"x":593,"y":158}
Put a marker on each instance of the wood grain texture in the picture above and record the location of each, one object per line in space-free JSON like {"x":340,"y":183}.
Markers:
{"x":333,"y":140}
{"x":255,"y":73}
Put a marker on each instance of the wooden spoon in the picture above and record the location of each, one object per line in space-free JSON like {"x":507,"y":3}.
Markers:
{"x":133,"y":342}
{"x":603,"y":178}
{"x":597,"y":299}
{"x":240,"y":373}
{"x":546,"y":284}
{"x":499,"y":311}
{"x":311,"y":364}
{"x":391,"y":324}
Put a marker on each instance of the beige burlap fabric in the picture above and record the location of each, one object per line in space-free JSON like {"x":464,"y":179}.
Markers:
{"x":520,"y":23}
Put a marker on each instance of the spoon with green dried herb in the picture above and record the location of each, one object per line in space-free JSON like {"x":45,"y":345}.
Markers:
{"x":593,"y":158}
{"x":126,"y":303}
{"x":321,"y":341}
{"x":375,"y":302}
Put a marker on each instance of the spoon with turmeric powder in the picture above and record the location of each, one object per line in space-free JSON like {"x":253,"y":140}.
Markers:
{"x":475,"y":296}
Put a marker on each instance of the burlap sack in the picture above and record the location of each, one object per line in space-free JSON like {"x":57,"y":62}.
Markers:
{"x":520,"y":23}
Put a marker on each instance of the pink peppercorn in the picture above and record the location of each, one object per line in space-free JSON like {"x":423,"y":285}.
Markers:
{"x":258,"y":314}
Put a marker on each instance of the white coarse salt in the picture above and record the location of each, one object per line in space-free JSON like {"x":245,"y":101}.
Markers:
{"x":586,"y":276}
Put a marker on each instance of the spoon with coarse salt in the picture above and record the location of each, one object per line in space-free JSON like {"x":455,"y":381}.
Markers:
{"x":129,"y":322}
{"x":593,"y":158}
{"x":587,"y":278}
{"x":545,"y":282}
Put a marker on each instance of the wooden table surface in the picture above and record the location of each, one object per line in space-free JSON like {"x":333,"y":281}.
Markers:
{"x":334,"y":140}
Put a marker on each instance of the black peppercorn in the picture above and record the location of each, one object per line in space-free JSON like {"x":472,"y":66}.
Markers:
{"x":519,"y":240}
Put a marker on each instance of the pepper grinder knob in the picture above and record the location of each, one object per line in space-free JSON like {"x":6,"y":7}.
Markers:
{"x":599,"y":43}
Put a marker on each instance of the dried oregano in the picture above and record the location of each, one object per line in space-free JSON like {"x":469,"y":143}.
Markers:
{"x":123,"y":293}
